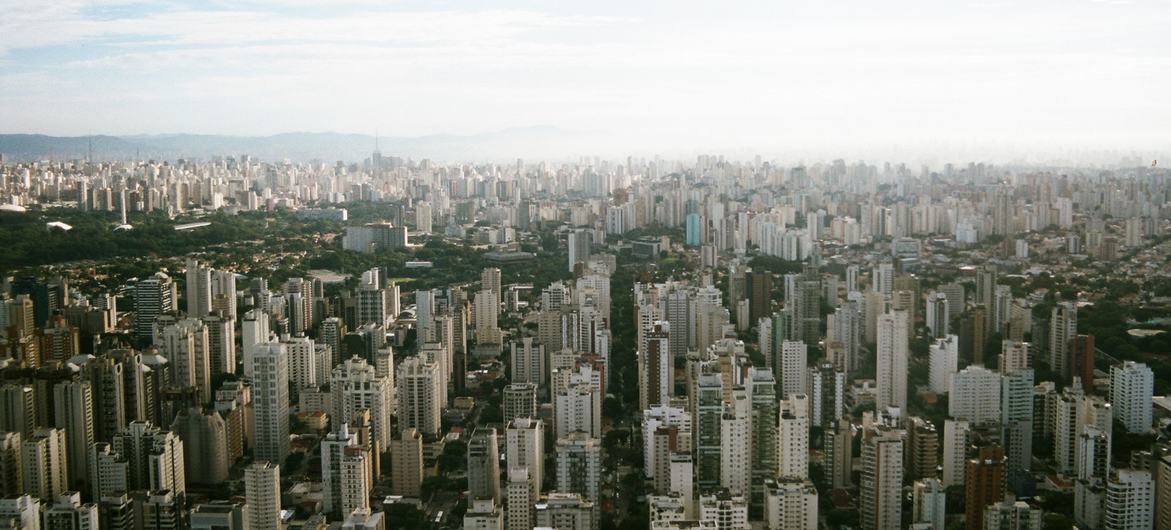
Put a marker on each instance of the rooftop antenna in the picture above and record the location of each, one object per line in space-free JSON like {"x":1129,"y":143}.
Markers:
{"x":89,"y":156}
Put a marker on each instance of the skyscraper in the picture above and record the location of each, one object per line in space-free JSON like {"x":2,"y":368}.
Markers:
{"x":205,"y":445}
{"x":74,"y":414}
{"x":356,"y":386}
{"x":792,"y":442}
{"x":938,"y":315}
{"x":419,"y":403}
{"x":1016,"y":409}
{"x":270,"y":401}
{"x":975,"y":395}
{"x":484,"y":465}
{"x":525,"y":447}
{"x":580,"y":241}
{"x":1062,"y":330}
{"x":944,"y":362}
{"x":1131,"y":387}
{"x":880,"y":503}
{"x":579,"y":467}
{"x":154,"y":458}
{"x":892,"y":353}
{"x":793,"y":368}
{"x":709,"y":413}
{"x":332,"y":452}
{"x":764,"y":438}
{"x":262,"y":490}
{"x":198,"y":289}
{"x":520,"y":401}
{"x":955,"y":446}
{"x":984,"y":482}
{"x":44,"y":463}
{"x":406,"y":463}
{"x":153,"y":296}
{"x":1129,"y":503}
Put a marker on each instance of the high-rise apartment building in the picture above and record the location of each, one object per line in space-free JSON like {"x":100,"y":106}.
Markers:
{"x":484,"y":464}
{"x":153,"y":296}
{"x":406,"y":464}
{"x":74,"y":414}
{"x":44,"y":463}
{"x":262,"y":491}
{"x":880,"y":502}
{"x":1131,"y":387}
{"x":419,"y":403}
{"x":975,"y":395}
{"x":270,"y":401}
{"x":984,"y":484}
{"x":892,"y":351}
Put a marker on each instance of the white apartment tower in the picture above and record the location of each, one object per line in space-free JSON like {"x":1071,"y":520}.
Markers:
{"x":356,"y":386}
{"x":1131,"y":387}
{"x":793,"y":368}
{"x":944,"y":362}
{"x":791,"y":504}
{"x":793,"y":437}
{"x":270,"y":401}
{"x":880,"y":504}
{"x":892,"y":347}
{"x":262,"y":491}
{"x":975,"y":395}
{"x":418,"y":396}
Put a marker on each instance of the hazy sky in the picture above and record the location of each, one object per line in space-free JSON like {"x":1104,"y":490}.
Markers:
{"x":1020,"y":75}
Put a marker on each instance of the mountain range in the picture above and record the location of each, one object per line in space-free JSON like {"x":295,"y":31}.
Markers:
{"x":539,"y":141}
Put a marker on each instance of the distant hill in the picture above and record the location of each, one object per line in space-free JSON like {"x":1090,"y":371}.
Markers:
{"x":297,"y":146}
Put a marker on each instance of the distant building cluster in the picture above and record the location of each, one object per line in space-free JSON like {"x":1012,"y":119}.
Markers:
{"x":723,"y":345}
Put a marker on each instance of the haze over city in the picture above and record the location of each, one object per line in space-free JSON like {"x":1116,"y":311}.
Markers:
{"x":986,"y":80}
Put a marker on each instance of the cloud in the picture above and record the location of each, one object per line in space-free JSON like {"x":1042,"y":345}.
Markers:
{"x":680,"y":72}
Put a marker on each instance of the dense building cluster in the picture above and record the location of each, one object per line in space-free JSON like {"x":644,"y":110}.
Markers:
{"x":724,"y":345}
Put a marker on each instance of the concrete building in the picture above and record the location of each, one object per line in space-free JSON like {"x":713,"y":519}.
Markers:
{"x":1016,"y":515}
{"x":218,"y":515}
{"x":483,"y":514}
{"x":525,"y":447}
{"x":155,"y":458}
{"x":1131,"y":387}
{"x":892,"y":352}
{"x":984,"y":484}
{"x":956,"y":438}
{"x":880,"y":503}
{"x":579,"y":466}
{"x":270,"y":401}
{"x":975,"y":395}
{"x":790,"y":503}
{"x":723,"y":511}
{"x":944,"y":363}
{"x":419,"y":402}
{"x":356,"y":386}
{"x":74,"y":414}
{"x":929,"y":504}
{"x":484,"y":464}
{"x":45,"y":466}
{"x":406,"y":464}
{"x":205,"y":445}
{"x":332,"y":453}
{"x":1129,"y":503}
{"x":792,"y":441}
{"x":262,"y":491}
{"x":68,"y":513}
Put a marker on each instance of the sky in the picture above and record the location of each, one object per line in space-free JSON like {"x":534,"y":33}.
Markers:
{"x":769,"y":75}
